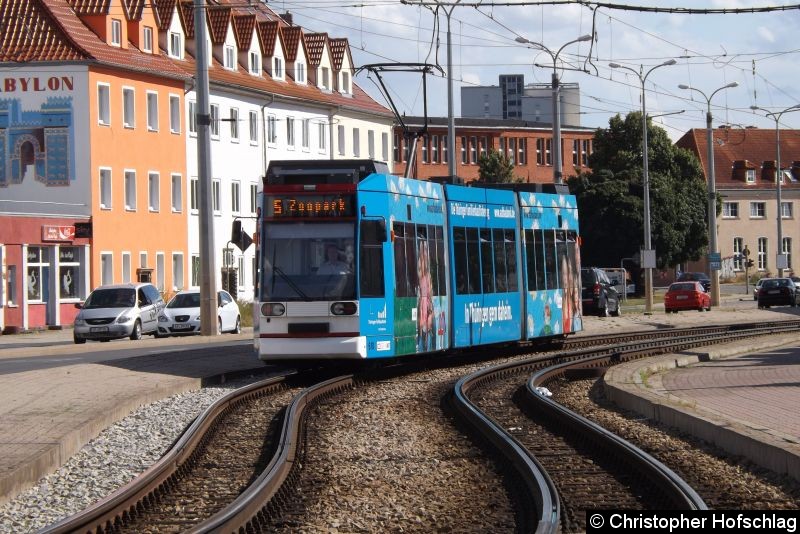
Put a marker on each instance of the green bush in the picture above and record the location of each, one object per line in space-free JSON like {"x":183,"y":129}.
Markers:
{"x":246,"y":311}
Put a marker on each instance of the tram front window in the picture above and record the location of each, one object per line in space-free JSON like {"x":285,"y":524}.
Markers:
{"x":308,"y":261}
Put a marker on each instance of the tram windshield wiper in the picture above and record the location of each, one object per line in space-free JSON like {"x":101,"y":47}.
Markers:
{"x":291,"y":283}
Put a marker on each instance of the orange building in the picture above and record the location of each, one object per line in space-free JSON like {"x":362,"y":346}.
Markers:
{"x":527,"y":144}
{"x":92,"y":156}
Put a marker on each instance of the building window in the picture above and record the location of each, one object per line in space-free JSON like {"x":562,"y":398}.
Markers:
{"x":787,"y":210}
{"x":105,"y":189}
{"x":758,"y":210}
{"x":174,"y":114}
{"x":356,"y":142}
{"x":195,"y":274}
{"x":152,"y":111}
{"x":175,"y":45}
{"x":750,"y":176}
{"x":153,"y":186}
{"x":512,"y":150}
{"x":215,"y":196}
{"x":435,"y":145}
{"x":177,"y":271}
{"x":103,"y":104}
{"x":323,"y":143}
{"x":290,"y":131}
{"x":147,"y":39}
{"x":37,"y":272}
{"x":277,"y":72}
{"x":325,"y":76}
{"x":160,"y":271}
{"x":548,"y":146}
{"x":730,"y":210}
{"x":762,"y":253}
{"x":106,"y":268}
{"x":143,"y":260}
{"x":305,"y":133}
{"x":177,"y":193}
{"x":128,"y":108}
{"x":235,"y":196}
{"x":68,"y":272}
{"x":300,"y":72}
{"x":192,"y":118}
{"x":738,"y":247}
{"x":384,"y":146}
{"x":130,"y":190}
{"x":522,"y":158}
{"x":126,"y":267}
{"x":116,"y":32}
{"x":234,"y":122}
{"x":397,"y":148}
{"x":787,"y":251}
{"x":240,"y":279}
{"x":253,"y":127}
{"x":272,"y":129}
{"x":463,"y":150}
{"x":539,"y":151}
{"x":193,"y":194}
{"x":371,"y":144}
{"x":341,"y":134}
{"x":586,"y":150}
{"x":473,"y":150}
{"x":11,"y":291}
{"x":230,"y":58}
{"x":255,"y":63}
{"x":482,"y":146}
{"x":346,"y":82}
{"x":214,"y":108}
{"x":253,"y":197}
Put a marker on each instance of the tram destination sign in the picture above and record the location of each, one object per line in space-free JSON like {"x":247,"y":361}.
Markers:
{"x":313,"y":206}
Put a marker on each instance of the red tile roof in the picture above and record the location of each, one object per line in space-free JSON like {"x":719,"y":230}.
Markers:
{"x":291,"y":37}
{"x":315,"y":45}
{"x":338,"y":49}
{"x":186,"y":12}
{"x":218,"y":20}
{"x":90,"y":7}
{"x":267,"y":32}
{"x":164,"y":10}
{"x":29,"y":33}
{"x":243,"y":30}
{"x":752,"y":145}
{"x":134,"y":8}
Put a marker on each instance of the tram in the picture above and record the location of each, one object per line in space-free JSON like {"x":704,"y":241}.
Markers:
{"x":357,"y":263}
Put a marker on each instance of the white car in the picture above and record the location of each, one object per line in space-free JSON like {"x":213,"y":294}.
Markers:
{"x":182,"y":314}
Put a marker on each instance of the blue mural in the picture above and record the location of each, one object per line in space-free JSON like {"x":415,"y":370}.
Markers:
{"x":37,"y":144}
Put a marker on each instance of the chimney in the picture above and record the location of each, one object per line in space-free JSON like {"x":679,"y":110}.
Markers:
{"x":288,"y":18}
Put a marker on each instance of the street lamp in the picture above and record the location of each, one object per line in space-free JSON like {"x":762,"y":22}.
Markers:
{"x":557,"y":164}
{"x":648,"y":259}
{"x":780,"y":258}
{"x":712,"y":194}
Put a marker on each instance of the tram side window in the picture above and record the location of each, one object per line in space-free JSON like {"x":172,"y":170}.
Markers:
{"x":460,"y":254}
{"x":371,"y":267}
{"x":430,"y":239}
{"x":551,"y":271}
{"x":530,"y":259}
{"x":441,"y":276}
{"x":561,"y":256}
{"x":400,"y":278}
{"x":499,"y":261}
{"x":473,"y":263}
{"x":486,"y":261}
{"x":510,"y":245}
{"x":540,"y":262}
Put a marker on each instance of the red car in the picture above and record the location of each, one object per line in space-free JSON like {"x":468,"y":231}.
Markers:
{"x":686,"y":296}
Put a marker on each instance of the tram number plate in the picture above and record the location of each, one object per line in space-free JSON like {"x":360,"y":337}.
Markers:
{"x":98,"y":329}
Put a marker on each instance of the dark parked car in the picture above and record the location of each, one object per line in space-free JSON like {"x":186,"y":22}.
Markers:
{"x":598,"y":294}
{"x":696,"y":277}
{"x":776,"y":292}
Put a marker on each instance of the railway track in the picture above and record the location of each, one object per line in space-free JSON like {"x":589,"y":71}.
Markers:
{"x":264,"y":495}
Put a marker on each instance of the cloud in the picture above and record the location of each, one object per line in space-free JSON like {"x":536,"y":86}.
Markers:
{"x":766,"y":34}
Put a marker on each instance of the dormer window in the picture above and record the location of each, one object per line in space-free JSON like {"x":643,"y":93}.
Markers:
{"x":750,"y":176}
{"x":116,"y":32}
{"x":345,"y":83}
{"x":277,"y":71}
{"x":147,"y":39}
{"x":325,"y":78}
{"x":300,"y":73}
{"x":175,"y":45}
{"x":230,"y":58}
{"x":255,"y":63}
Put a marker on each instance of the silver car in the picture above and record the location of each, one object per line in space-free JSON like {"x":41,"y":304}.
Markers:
{"x":116,"y":311}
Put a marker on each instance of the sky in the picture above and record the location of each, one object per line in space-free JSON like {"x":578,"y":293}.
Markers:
{"x":759,"y":51}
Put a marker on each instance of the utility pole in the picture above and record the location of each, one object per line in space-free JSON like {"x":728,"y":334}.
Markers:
{"x":208,"y":279}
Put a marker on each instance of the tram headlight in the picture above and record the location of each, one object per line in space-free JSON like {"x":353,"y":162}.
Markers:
{"x":343,"y":308}
{"x":272,"y":309}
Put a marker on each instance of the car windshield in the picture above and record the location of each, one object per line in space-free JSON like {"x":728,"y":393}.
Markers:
{"x":185,"y":300}
{"x":776,"y":283}
{"x":111,"y":298}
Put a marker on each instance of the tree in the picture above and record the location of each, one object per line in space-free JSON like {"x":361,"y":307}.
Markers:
{"x":495,"y":168}
{"x":610,"y":198}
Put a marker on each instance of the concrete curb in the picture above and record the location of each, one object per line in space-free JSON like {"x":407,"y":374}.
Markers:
{"x":637,"y":386}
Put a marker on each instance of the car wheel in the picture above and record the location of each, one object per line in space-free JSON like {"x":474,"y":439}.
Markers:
{"x":617,"y":311}
{"x":238,"y":328}
{"x":603,"y":311}
{"x":78,"y":340}
{"x":136,"y":333}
